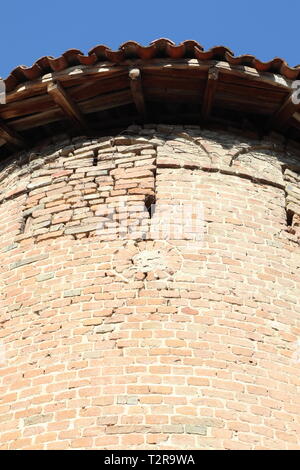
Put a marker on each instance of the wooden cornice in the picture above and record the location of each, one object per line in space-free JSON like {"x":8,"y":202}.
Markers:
{"x":174,"y":88}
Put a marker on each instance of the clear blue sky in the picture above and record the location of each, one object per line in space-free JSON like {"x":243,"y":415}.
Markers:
{"x":31,"y":29}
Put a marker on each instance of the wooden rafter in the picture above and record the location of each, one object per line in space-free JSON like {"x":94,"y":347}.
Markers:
{"x":209,"y":94}
{"x":67,"y":105}
{"x":137,"y":91}
{"x":11,"y":136}
{"x":285,"y":112}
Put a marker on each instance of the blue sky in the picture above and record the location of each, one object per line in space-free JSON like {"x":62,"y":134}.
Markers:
{"x":31,"y":29}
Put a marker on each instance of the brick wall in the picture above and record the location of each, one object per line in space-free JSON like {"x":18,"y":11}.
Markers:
{"x":127,"y":327}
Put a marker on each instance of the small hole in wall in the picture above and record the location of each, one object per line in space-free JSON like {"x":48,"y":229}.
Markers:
{"x":289,"y":218}
{"x":26,"y":224}
{"x":95,"y":161}
{"x":150,"y":204}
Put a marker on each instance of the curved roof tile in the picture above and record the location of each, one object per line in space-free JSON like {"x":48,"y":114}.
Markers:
{"x":132,"y":50}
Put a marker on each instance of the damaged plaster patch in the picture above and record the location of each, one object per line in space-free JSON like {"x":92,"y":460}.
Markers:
{"x":148,"y":259}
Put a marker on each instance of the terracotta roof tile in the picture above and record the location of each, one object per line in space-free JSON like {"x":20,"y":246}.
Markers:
{"x":132,"y":50}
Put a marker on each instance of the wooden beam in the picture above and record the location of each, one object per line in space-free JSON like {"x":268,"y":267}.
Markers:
{"x":209,"y":94}
{"x":286,"y":111}
{"x":11,"y":136}
{"x":98,"y":103}
{"x":137,"y":91}
{"x":67,"y":105}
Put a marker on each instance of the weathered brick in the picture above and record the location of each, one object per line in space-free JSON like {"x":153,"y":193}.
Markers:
{"x":126,"y":337}
{"x":33,"y":259}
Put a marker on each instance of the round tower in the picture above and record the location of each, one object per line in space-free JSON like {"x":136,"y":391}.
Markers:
{"x":150,"y":271}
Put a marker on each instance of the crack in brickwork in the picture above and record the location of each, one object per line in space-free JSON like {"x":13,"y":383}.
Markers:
{"x":292,"y":200}
{"x":67,"y":200}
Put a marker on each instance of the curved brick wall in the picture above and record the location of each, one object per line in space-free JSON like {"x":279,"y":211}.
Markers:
{"x":122,"y":336}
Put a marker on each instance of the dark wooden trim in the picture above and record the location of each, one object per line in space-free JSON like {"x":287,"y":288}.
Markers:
{"x":209,"y":94}
{"x":11,"y":136}
{"x":137,"y":91}
{"x":285,"y":112}
{"x":67,"y":105}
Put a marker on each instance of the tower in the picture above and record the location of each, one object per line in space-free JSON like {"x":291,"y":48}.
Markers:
{"x":150,"y":264}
